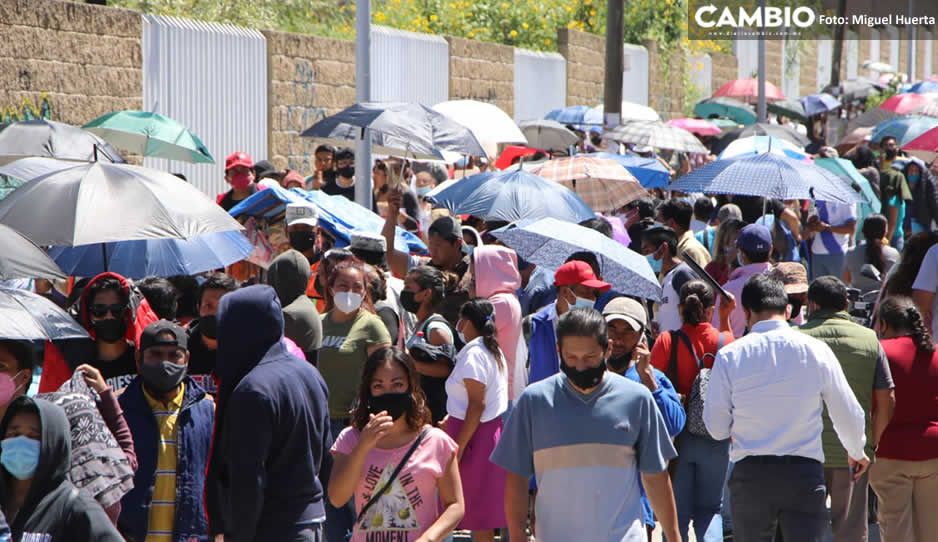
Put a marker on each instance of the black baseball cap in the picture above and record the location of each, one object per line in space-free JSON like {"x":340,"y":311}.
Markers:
{"x":447,"y":227}
{"x":154,"y":335}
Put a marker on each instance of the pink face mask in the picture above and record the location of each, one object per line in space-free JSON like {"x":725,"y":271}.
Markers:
{"x":240,"y":181}
{"x":8,"y":387}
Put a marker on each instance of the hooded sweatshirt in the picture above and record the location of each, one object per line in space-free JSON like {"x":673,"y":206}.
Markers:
{"x":924,"y":208}
{"x":289,"y":275}
{"x":58,"y":366}
{"x":271,"y":426}
{"x":497,"y":279}
{"x":54,"y":509}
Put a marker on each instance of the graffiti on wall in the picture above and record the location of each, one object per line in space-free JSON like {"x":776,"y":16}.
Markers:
{"x":26,"y":109}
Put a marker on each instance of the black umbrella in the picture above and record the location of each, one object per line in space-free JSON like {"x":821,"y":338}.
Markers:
{"x":774,"y":130}
{"x":50,"y":139}
{"x":21,"y":259}
{"x":792,"y":109}
{"x":25,"y":316}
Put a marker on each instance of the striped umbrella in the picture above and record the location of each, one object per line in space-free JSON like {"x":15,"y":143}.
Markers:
{"x":904,"y":129}
{"x":658,"y":135}
{"x":602,"y":183}
{"x":906,"y":103}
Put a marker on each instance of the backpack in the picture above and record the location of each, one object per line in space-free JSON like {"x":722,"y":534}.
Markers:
{"x":694,"y":402}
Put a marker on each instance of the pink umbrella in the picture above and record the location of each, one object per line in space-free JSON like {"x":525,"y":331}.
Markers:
{"x":906,"y":103}
{"x":696,"y":126}
{"x":926,"y":142}
{"x":748,"y":89}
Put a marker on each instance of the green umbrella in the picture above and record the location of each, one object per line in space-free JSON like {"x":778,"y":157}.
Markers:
{"x":789,"y":108}
{"x":845,"y":169}
{"x":725,"y":124}
{"x":150,"y":134}
{"x":729,"y":108}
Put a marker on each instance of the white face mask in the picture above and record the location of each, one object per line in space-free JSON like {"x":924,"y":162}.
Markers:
{"x":347,"y":302}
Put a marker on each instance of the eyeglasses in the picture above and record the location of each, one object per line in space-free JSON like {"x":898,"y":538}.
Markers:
{"x":100,"y":311}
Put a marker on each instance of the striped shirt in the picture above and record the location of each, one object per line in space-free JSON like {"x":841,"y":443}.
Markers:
{"x":163,"y":505}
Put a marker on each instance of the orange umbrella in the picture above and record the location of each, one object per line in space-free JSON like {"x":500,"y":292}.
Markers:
{"x":749,"y":89}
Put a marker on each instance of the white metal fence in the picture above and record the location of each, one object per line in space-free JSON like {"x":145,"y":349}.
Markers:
{"x":408,"y":67}
{"x":852,"y":46}
{"x":791,"y":69}
{"x":540,"y":83}
{"x":213,"y":79}
{"x":825,"y":57}
{"x":634,"y":74}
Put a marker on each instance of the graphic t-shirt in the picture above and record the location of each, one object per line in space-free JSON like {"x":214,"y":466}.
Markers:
{"x":118,"y":372}
{"x":412,"y":503}
{"x":343,"y":355}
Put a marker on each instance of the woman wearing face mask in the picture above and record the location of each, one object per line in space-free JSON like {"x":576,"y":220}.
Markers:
{"x":924,"y":206}
{"x":38,"y":499}
{"x":724,"y":250}
{"x":477,"y":396}
{"x":402,"y":472}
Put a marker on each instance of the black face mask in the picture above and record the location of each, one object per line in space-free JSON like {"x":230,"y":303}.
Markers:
{"x":408,"y":302}
{"x":395,"y":404}
{"x":585,"y":379}
{"x":164,"y":377}
{"x":303,"y":240}
{"x":208,"y":325}
{"x":110,"y":330}
{"x":619,"y":364}
{"x":346,"y":172}
{"x":891,"y":153}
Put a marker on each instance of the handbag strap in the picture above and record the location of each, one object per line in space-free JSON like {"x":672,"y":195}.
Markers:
{"x":686,"y":340}
{"x":397,"y":470}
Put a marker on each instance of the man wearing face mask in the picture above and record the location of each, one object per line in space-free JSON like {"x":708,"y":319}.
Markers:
{"x":171,"y":419}
{"x":794,"y":277}
{"x":239,"y":173}
{"x":203,"y":333}
{"x":660,"y":245}
{"x":893,"y":187}
{"x":344,"y":182}
{"x":569,"y":421}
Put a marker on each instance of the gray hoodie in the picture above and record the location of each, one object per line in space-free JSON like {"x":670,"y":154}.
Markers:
{"x":288,"y":275}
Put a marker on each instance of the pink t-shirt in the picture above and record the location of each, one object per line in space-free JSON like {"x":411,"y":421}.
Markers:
{"x":412,"y":502}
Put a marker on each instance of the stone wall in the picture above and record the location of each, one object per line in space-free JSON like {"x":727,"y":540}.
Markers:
{"x":309,"y":78}
{"x":482,"y":71}
{"x":85,"y":59}
{"x":585,"y":54}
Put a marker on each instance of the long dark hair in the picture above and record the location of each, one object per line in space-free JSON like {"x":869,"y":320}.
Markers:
{"x":431,"y":278}
{"x":481,"y":314}
{"x":696,"y":297}
{"x":874,"y":229}
{"x":900,"y":283}
{"x":901,"y":314}
{"x":419,"y":413}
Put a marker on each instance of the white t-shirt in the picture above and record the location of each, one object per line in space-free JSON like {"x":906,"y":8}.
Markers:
{"x":476,"y":363}
{"x":837,"y":214}
{"x":668,"y":315}
{"x":927,"y":281}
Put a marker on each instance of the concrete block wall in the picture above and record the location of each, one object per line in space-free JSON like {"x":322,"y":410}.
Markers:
{"x":585,"y":54}
{"x":482,"y":71}
{"x":725,"y":68}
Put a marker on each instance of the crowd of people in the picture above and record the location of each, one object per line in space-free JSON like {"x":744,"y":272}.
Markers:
{"x":370,"y":394}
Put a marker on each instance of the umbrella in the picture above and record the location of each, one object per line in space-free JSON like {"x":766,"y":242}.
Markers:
{"x":748,"y":88}
{"x":658,"y":135}
{"x":50,"y":139}
{"x":880,"y":67}
{"x":729,"y":108}
{"x":815,"y":104}
{"x":649,"y":171}
{"x":860,"y":88}
{"x":88,"y":203}
{"x":924,"y":86}
{"x":930,"y":110}
{"x":725,"y":125}
{"x":603,"y":184}
{"x":750,"y":146}
{"x":548,"y":134}
{"x":511,"y":196}
{"x":630,"y":112}
{"x":508,"y":155}
{"x":904,"y":129}
{"x":25,"y":316}
{"x":150,"y":134}
{"x":906,"y":103}
{"x":398,"y":127}
{"x":767,"y":175}
{"x":793,"y":109}
{"x":22,"y":259}
{"x":487,"y":122}
{"x":155,"y":257}
{"x":548,"y":242}
{"x":774,"y":130}
{"x":698,"y":127}
{"x":846,"y":170}
{"x":870,"y":118}
{"x":571,"y":115}
{"x":853,"y":138}
{"x":927,"y":141}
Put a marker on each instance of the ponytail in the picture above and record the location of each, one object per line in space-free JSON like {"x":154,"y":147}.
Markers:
{"x":696,"y":297}
{"x":901,"y":314}
{"x":874,"y":230}
{"x":920,"y":332}
{"x":481,"y":313}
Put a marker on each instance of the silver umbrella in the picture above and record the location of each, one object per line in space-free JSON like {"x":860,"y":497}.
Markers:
{"x":21,"y":259}
{"x":50,"y":139}
{"x":25,"y":316}
{"x":548,"y":134}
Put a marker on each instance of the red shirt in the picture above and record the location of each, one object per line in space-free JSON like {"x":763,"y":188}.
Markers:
{"x":704,"y":337}
{"x":912,"y":435}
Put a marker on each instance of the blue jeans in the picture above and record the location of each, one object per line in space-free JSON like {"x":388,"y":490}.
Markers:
{"x":339,"y":521}
{"x":699,"y":473}
{"x":727,"y":513}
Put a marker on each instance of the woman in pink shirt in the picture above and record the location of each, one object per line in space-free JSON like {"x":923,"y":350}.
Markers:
{"x":418,"y":502}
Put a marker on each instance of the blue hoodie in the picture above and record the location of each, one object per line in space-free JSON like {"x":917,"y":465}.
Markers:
{"x":271,"y":426}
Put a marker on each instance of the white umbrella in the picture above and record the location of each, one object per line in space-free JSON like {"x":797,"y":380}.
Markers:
{"x":487,"y":122}
{"x":630,"y":112}
{"x":880,"y":67}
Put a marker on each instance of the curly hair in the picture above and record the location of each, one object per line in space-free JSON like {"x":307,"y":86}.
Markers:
{"x":901,"y":314}
{"x":418,"y":415}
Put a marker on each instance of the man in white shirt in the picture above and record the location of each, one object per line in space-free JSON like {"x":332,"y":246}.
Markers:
{"x":766,"y":392}
{"x":925,"y":289}
{"x":660,"y":243}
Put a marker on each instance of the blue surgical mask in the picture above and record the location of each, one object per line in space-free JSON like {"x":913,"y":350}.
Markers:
{"x":423,"y":190}
{"x":913,"y":178}
{"x":20,"y":456}
{"x":655,"y":264}
{"x":583,"y":303}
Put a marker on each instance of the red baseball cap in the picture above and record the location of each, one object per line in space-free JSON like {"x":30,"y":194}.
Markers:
{"x":577,"y":272}
{"x":236,"y":159}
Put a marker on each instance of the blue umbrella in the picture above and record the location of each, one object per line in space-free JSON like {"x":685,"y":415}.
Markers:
{"x":548,"y":242}
{"x":337,"y":215}
{"x":650,"y":172}
{"x":574,"y":114}
{"x":815,"y":104}
{"x":768,"y":175}
{"x":511,"y":196}
{"x":846,"y":170}
{"x":923,"y":86}
{"x":154,"y":257}
{"x":904,"y":129}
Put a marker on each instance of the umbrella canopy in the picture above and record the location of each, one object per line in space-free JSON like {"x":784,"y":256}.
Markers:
{"x":398,"y":128}
{"x":815,"y":104}
{"x":793,"y":109}
{"x":748,"y":89}
{"x":548,"y":134}
{"x":649,"y":171}
{"x":927,"y":141}
{"x":658,"y":135}
{"x":930,"y":110}
{"x":548,"y":242}
{"x":860,"y":88}
{"x":903,"y":104}
{"x":698,"y":127}
{"x":924,"y":86}
{"x":486,"y":121}
{"x":571,"y":115}
{"x":603,"y":184}
{"x":50,"y":139}
{"x":511,"y":196}
{"x":767,"y":175}
{"x":853,"y":138}
{"x":880,"y":67}
{"x":509,"y":154}
{"x":631,"y":112}
{"x":774,"y":130}
{"x":25,"y":316}
{"x":870,"y":118}
{"x":22,"y":259}
{"x":729,"y":108}
{"x":750,"y":146}
{"x":155,"y":257}
{"x":904,"y":129}
{"x":150,"y":134}
{"x":725,"y":125}
{"x":846,"y":170}
{"x":87,"y":203}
